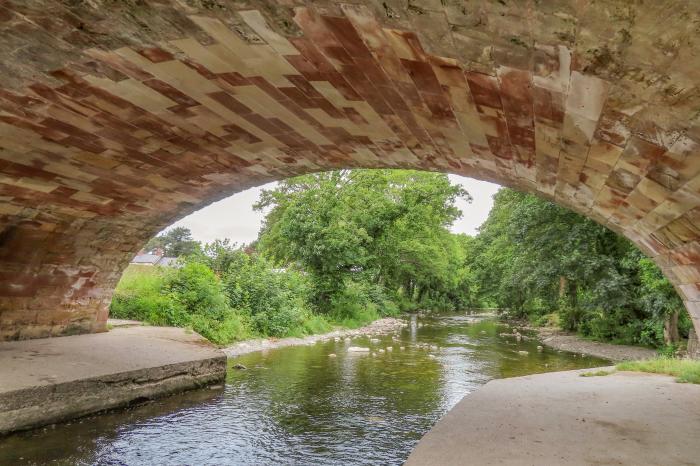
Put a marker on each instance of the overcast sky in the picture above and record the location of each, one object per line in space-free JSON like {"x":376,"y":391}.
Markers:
{"x":234,"y":217}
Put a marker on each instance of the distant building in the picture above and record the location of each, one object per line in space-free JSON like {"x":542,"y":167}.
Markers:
{"x":155,"y":257}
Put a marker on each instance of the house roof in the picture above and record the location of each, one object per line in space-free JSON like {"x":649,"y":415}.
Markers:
{"x":146,"y":259}
{"x":154,"y":259}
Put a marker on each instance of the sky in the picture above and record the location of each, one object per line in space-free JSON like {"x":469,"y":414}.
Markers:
{"x":234,"y":217}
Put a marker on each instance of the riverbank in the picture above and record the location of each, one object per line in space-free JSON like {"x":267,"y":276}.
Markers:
{"x":378,"y":327}
{"x":565,"y":341}
{"x":49,"y":380}
{"x":624,"y":418}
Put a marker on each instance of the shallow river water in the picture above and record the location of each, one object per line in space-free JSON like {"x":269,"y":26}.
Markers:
{"x":297,"y":405}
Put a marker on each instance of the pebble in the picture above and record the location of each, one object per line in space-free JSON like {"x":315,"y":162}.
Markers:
{"x":332,"y":355}
{"x":401,"y":348}
{"x":523,"y":352}
{"x":240,"y":367}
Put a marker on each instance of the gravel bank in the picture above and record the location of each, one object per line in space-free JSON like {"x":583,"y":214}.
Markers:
{"x":557,"y":339}
{"x":576,"y":344}
{"x":565,"y":341}
{"x":378,"y":327}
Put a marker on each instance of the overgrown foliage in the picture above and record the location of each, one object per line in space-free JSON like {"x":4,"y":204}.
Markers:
{"x":532,"y":258}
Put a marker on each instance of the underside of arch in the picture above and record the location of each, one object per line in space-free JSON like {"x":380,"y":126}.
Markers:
{"x":118,"y":117}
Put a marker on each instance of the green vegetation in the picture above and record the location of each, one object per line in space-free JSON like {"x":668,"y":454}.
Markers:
{"x":339,"y":248}
{"x":595,"y":373}
{"x":347,"y":247}
{"x":175,"y":242}
{"x":685,"y":370}
{"x":533,"y":258}
{"x":374,"y":240}
{"x":190,"y":296}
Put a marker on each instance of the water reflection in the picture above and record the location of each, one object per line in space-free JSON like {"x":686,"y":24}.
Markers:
{"x":300,"y":406}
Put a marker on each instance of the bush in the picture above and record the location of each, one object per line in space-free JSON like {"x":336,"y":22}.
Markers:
{"x":138,"y":296}
{"x":252,"y":298}
{"x":190,"y":296}
{"x":195,"y":287}
{"x":358,"y":304}
{"x":547,"y":320}
{"x":278,"y":300}
{"x":232,"y":328}
{"x":570,"y":317}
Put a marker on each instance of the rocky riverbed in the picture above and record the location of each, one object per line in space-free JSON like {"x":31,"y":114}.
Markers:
{"x":565,"y":341}
{"x":378,"y":327}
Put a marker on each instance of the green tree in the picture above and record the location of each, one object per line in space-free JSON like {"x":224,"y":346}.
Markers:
{"x":385,"y":228}
{"x":176,"y":242}
{"x":533,"y":257}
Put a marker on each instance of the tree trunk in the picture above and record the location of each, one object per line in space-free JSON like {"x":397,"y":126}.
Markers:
{"x":671,"y":335}
{"x":573,"y":295}
{"x":562,"y":286}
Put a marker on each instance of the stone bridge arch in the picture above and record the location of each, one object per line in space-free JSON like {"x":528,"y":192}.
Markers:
{"x":118,"y":117}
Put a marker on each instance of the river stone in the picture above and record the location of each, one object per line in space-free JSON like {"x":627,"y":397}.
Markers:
{"x":358,"y":349}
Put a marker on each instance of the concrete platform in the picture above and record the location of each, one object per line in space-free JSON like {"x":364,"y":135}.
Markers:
{"x":561,"y":418}
{"x":54,"y":379}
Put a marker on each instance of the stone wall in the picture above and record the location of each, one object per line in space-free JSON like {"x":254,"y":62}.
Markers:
{"x":117,"y":118}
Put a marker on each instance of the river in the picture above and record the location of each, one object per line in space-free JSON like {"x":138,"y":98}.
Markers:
{"x":298,"y":405}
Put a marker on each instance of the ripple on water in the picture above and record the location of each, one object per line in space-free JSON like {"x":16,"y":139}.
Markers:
{"x":296,"y":405}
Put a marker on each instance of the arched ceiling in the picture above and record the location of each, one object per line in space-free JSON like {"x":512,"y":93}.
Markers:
{"x":119,"y":116}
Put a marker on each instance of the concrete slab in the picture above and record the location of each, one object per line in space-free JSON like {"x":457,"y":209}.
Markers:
{"x":561,"y":418}
{"x":54,"y":379}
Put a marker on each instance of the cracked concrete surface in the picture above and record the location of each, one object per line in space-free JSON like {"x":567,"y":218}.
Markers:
{"x":50,"y":380}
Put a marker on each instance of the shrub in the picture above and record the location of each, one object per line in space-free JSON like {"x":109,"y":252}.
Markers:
{"x":138,"y":296}
{"x":232,"y":328}
{"x":195,"y":287}
{"x":353,"y":305}
{"x":190,"y":296}
{"x":278,"y":300}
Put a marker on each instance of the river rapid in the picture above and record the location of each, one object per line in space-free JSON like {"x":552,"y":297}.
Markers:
{"x":318,"y":404}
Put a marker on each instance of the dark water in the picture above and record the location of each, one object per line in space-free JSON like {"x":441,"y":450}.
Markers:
{"x":299,"y":406}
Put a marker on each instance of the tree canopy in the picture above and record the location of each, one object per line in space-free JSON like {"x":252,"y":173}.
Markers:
{"x":175,"y":242}
{"x":532,"y":258}
{"x":387,"y":229}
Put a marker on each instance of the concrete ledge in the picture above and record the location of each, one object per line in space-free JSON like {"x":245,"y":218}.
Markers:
{"x":57,"y":379}
{"x":561,"y":418}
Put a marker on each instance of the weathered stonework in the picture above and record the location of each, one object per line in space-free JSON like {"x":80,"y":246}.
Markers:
{"x":118,"y":117}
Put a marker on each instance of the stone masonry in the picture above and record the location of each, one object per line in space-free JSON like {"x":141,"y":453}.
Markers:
{"x":118,"y":117}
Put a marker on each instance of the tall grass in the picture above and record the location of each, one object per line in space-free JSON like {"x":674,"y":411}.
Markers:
{"x":685,"y":370}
